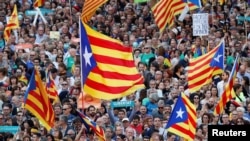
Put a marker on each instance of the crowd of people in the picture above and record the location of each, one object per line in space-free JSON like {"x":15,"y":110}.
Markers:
{"x":134,"y":25}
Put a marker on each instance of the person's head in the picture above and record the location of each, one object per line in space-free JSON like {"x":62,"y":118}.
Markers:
{"x":225,"y":118}
{"x":63,"y":120}
{"x":57,"y":109}
{"x":36,"y":137}
{"x":136,"y":120}
{"x":225,"y":75}
{"x":67,"y":108}
{"x":157,"y":122}
{"x":121,"y":114}
{"x":171,"y":136}
{"x":143,"y":110}
{"x":71,"y":133}
{"x":240,"y":121}
{"x":130,"y":132}
{"x":108,"y":132}
{"x":50,"y":137}
{"x":7,"y":109}
{"x":92,"y":110}
{"x":237,"y":88}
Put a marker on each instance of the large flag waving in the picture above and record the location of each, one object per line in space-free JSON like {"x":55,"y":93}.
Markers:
{"x":228,"y":93}
{"x":182,"y":121}
{"x":91,"y":125}
{"x":202,"y":69}
{"x":163,"y":14}
{"x":165,"y":10}
{"x":37,"y":101}
{"x":13,"y":23}
{"x":108,"y":69}
{"x":89,"y":8}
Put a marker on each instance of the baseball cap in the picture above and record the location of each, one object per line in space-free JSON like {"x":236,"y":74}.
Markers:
{"x":125,"y":119}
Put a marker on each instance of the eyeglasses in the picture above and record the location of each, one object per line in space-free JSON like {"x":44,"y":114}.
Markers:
{"x":182,"y":78}
{"x":160,"y":107}
{"x":19,"y":115}
{"x":64,"y":84}
{"x":196,"y":97}
{"x":65,"y":109}
{"x":146,"y":48}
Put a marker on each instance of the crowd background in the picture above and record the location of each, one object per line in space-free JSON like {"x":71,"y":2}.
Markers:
{"x":134,"y":25}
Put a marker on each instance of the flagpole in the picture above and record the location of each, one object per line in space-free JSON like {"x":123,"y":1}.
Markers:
{"x":81,"y":59}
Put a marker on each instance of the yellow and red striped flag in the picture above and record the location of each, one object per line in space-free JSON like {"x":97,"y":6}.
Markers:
{"x":182,"y":121}
{"x":108,"y":69}
{"x":163,"y":14}
{"x":51,"y":89}
{"x":228,"y":93}
{"x":89,"y":9}
{"x":38,"y":3}
{"x":92,"y":126}
{"x":37,"y":101}
{"x":179,"y":5}
{"x":202,"y":69}
{"x":13,"y":23}
{"x":23,"y":79}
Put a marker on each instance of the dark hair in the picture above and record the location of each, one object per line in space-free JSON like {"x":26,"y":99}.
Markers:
{"x":236,"y":87}
{"x":91,"y":106}
{"x":246,"y":79}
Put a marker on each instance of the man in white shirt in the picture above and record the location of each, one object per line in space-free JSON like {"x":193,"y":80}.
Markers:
{"x":223,"y":82}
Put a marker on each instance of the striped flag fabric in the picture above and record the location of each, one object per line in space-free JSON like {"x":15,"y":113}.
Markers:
{"x":91,"y":125}
{"x":165,"y":10}
{"x":182,"y":121}
{"x":202,"y":69}
{"x":51,"y":88}
{"x":37,"y":101}
{"x":13,"y":23}
{"x":228,"y":93}
{"x":163,"y":14}
{"x":23,"y":79}
{"x":89,"y":9}
{"x":179,"y":5}
{"x":108,"y":69}
{"x":38,"y":3}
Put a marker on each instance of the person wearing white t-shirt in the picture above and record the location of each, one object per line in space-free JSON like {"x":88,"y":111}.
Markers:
{"x":223,"y":82}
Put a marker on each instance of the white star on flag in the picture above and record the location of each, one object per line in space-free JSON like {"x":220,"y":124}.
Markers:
{"x":87,"y":56}
{"x":217,"y":58}
{"x":179,"y":113}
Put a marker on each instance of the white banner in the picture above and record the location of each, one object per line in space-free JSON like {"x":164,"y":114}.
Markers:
{"x":200,"y":24}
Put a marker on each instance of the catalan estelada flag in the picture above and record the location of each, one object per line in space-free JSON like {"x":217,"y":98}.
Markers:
{"x":91,"y":125}
{"x":182,"y":121}
{"x":163,"y":14}
{"x":13,"y":23}
{"x":37,"y":101}
{"x":228,"y":93}
{"x":89,"y":8}
{"x":202,"y":69}
{"x":108,"y":69}
{"x":38,"y":3}
{"x":51,"y":88}
{"x":196,"y":2}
